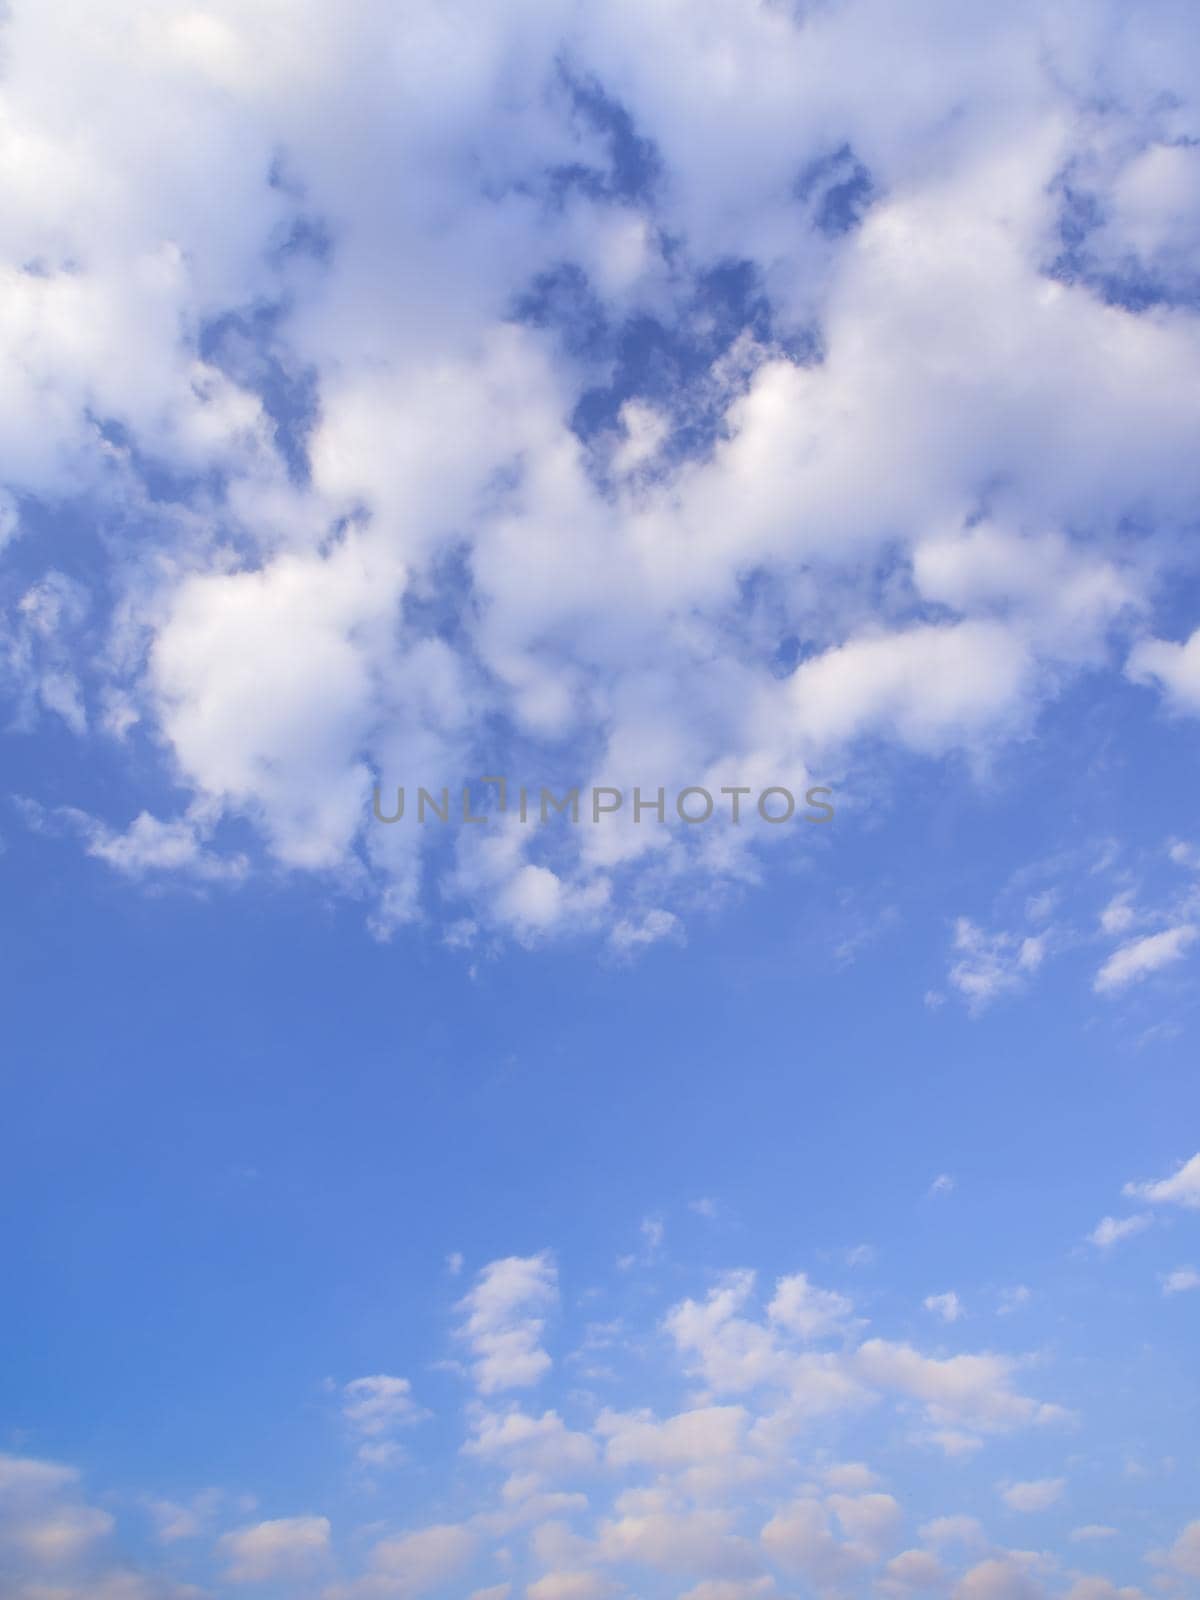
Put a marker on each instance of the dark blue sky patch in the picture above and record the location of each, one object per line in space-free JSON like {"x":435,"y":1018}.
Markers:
{"x":634,"y":165}
{"x":839,"y":189}
{"x":162,"y":484}
{"x":247,"y":347}
{"x":441,"y":601}
{"x":302,"y":237}
{"x":787,"y":656}
{"x":1130,"y":283}
{"x":669,"y":365}
{"x":662,"y":359}
{"x":281,"y":175}
{"x":563,"y":300}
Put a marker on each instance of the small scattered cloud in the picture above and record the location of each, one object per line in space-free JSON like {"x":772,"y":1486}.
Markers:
{"x":375,"y":1409}
{"x":988,"y":965}
{"x":174,"y":1522}
{"x":947,"y":1306}
{"x":1038,"y":1495}
{"x":633,"y":934}
{"x":1014,"y":1299}
{"x":1118,"y":915}
{"x":1112,"y":1230}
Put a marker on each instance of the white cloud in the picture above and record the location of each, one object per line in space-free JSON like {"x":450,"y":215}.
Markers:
{"x":375,"y":1408}
{"x":653,"y":1232}
{"x":964,"y":1397}
{"x":571,"y":1586}
{"x":947,"y":1306}
{"x":988,"y":965}
{"x":54,"y":1543}
{"x":504,"y":1321}
{"x":411,"y":1564}
{"x":37,"y":650}
{"x":730,"y":1500}
{"x":1013,"y":1299}
{"x":914,"y":1571}
{"x":1112,"y":1230}
{"x":287,"y":1547}
{"x":544,"y":1444}
{"x":850,"y":1477}
{"x":1136,"y":960}
{"x":149,"y":845}
{"x":10,"y":518}
{"x":1037,"y":1495}
{"x":1181,"y":1280}
{"x":999,"y":1578}
{"x":1118,"y":914}
{"x":803,"y":1309}
{"x":174,"y":1521}
{"x":732,"y":1589}
{"x":802,"y":1537}
{"x":1174,"y":668}
{"x":22,"y":1477}
{"x":957,"y":1530}
{"x":972,"y":432}
{"x":1182,"y":1188}
{"x":1102,"y":1589}
{"x":972,"y":1391}
{"x":932,"y":686}
{"x":648,"y":1531}
{"x":691,"y":1438}
{"x":1183,"y":1557}
{"x":635,"y":934}
{"x":801,"y":1540}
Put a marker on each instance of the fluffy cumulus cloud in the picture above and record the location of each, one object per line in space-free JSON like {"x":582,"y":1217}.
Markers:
{"x":287,"y":1547}
{"x":742,"y":1482}
{"x":1038,"y":1495}
{"x":569,"y":419}
{"x":56,"y":1544}
{"x":504,"y":1317}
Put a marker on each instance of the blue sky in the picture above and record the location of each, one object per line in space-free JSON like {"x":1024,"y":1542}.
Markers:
{"x":717,"y":396}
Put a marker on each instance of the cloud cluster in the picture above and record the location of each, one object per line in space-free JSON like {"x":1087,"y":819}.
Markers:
{"x":55,"y":1543}
{"x":740,"y":1493}
{"x":1146,"y":921}
{"x":450,"y":392}
{"x":1181,"y":1188}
